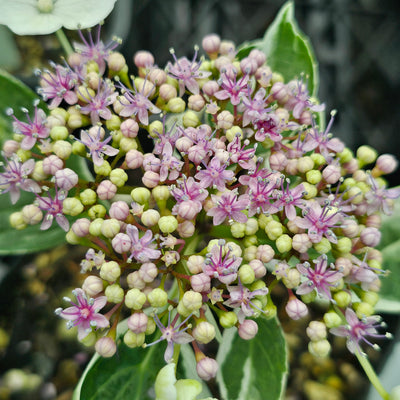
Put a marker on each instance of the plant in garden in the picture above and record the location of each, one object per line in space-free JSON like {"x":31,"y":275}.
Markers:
{"x":244,"y":190}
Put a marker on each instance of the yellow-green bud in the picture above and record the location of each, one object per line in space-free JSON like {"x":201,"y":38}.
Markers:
{"x":234,"y":249}
{"x":24,"y":155}
{"x":274,"y":229}
{"x":355,"y":193}
{"x":104,"y":169}
{"x":346,"y":155}
{"x":113,"y":123}
{"x":89,"y":340}
{"x":72,"y":238}
{"x":204,"y":332}
{"x":314,"y":176}
{"x":305,"y":164}
{"x":251,"y":226}
{"x":62,"y":149}
{"x":292,"y":278}
{"x":72,"y":206}
{"x":157,"y":297}
{"x":110,"y":227}
{"x":250,"y":253}
{"x":190,"y":119}
{"x":363,"y":309}
{"x":150,"y":217}
{"x":370,"y":298}
{"x":182,"y":310}
{"x":311,"y":191}
{"x":38,"y":173}
{"x":284,"y":243}
{"x":118,"y":177}
{"x":231,"y":133}
{"x":126,"y":144}
{"x":176,"y":105}
{"x":132,"y":339}
{"x":192,"y":300}
{"x":263,"y":220}
{"x":135,"y":299}
{"x":155,"y":129}
{"x":97,"y":211}
{"x":332,"y":320}
{"x":250,"y":241}
{"x":318,"y":159}
{"x":59,"y":133}
{"x":17,"y":220}
{"x":343,"y":245}
{"x":342,"y":298}
{"x":323,"y":247}
{"x":238,"y":230}
{"x":319,"y":348}
{"x":78,"y":148}
{"x":95,"y":226}
{"x":309,"y":297}
{"x":246,"y":274}
{"x":141,"y":195}
{"x":167,"y":224}
{"x":88,"y":197}
{"x":216,"y":242}
{"x":228,"y":319}
{"x":161,"y":193}
{"x":316,"y":330}
{"x":110,"y":271}
{"x":366,"y":155}
{"x":114,"y":293}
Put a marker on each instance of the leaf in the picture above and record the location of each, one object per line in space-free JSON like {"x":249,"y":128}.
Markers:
{"x":254,"y":369}
{"x":288,"y":50}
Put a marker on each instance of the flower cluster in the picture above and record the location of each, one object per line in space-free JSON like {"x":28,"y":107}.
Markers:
{"x":243,"y":189}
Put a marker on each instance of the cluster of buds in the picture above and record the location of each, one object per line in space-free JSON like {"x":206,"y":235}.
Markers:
{"x":240,"y":191}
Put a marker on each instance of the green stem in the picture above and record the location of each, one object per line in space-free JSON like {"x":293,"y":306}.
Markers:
{"x":64,"y":42}
{"x":373,"y":378}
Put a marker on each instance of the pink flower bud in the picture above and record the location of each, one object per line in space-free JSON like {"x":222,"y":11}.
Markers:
{"x":265,"y":253}
{"x":263,"y":76}
{"x":52,"y":164}
{"x":350,"y":228}
{"x":278,"y":161}
{"x":157,"y":76}
{"x":373,"y":221}
{"x":207,"y":368}
{"x":167,"y":92}
{"x":129,"y":128}
{"x":143,"y":59}
{"x":66,"y":178}
{"x":386,"y":163}
{"x":296,"y":309}
{"x":134,"y":159}
{"x":301,"y":242}
{"x":186,"y":229}
{"x":137,"y":322}
{"x":10,"y":147}
{"x":258,"y":268}
{"x":200,"y":282}
{"x":211,"y":43}
{"x":258,"y":56}
{"x":331,"y":174}
{"x":196,"y":102}
{"x":148,"y":272}
{"x":196,"y":155}
{"x":106,"y":190}
{"x":343,"y":265}
{"x":81,"y":227}
{"x":210,"y":87}
{"x":188,"y":209}
{"x":279,"y":92}
{"x":151,"y":162}
{"x":351,"y":166}
{"x":92,"y":285}
{"x":151,"y":179}
{"x":291,"y":167}
{"x":106,"y":347}
{"x":370,"y":236}
{"x":249,"y":65}
{"x":183,"y":144}
{"x":305,"y":118}
{"x":248,"y":329}
{"x":119,"y":210}
{"x":121,"y":243}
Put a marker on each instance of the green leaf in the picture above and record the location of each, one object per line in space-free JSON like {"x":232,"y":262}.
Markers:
{"x":255,"y":369}
{"x":288,"y":50}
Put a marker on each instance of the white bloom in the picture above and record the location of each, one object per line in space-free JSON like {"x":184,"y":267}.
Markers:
{"x":41,"y":17}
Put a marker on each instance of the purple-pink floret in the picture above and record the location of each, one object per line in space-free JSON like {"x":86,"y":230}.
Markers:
{"x":228,"y":205}
{"x":15,"y":178}
{"x":379,"y":198}
{"x":84,"y":314}
{"x":357,"y":330}
{"x":142,"y":250}
{"x":215,"y":174}
{"x":320,"y":278}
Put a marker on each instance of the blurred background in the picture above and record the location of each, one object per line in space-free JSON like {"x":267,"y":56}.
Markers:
{"x":357,"y":45}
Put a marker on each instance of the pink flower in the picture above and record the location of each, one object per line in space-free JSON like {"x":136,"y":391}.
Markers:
{"x":228,"y":206}
{"x":85,"y":314}
{"x":142,"y":250}
{"x":214,"y":175}
{"x":232,"y":88}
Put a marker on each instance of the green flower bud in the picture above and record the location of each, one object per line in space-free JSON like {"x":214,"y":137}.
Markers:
{"x":311,"y":191}
{"x":270,"y":310}
{"x":234,"y":249}
{"x":250,"y":241}
{"x":62,"y":149}
{"x":342,"y":298}
{"x":305,"y":164}
{"x":59,"y":133}
{"x":150,"y":217}
{"x":238,"y":230}
{"x":113,"y":123}
{"x":126,"y":144}
{"x":190,"y":119}
{"x":133,"y":340}
{"x":176,"y":105}
{"x":110,"y":271}
{"x":366,"y":155}
{"x":38,"y":173}
{"x":292,"y":278}
{"x":88,"y":197}
{"x":78,"y":148}
{"x":161,"y":193}
{"x":104,"y":169}
{"x":114,"y":293}
{"x":316,"y":330}
{"x":228,"y":319}
{"x":323,"y":247}
{"x":319,"y":348}
{"x":263,"y":220}
{"x":135,"y":299}
{"x":95,"y":226}
{"x":72,"y":206}
{"x":155,"y":128}
{"x":274,"y":230}
{"x":231,"y":133}
{"x":314,"y":176}
{"x":363,"y":309}
{"x":151,"y":326}
{"x":97,"y":211}
{"x":167,"y":224}
{"x":250,"y":253}
{"x":309,"y":297}
{"x":141,"y":195}
{"x":157,"y":297}
{"x":251,"y":226}
{"x":182,"y":310}
{"x":355,"y":193}
{"x":118,"y":177}
{"x":24,"y":155}
{"x":345,"y":156}
{"x":110,"y":227}
{"x":284,"y":243}
{"x":192,"y":300}
{"x":343,"y":245}
{"x":370,"y":298}
{"x":72,"y":238}
{"x":246,"y":274}
{"x":332,"y":320}
{"x":204,"y":332}
{"x":318,"y":159}
{"x":89,"y":340}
